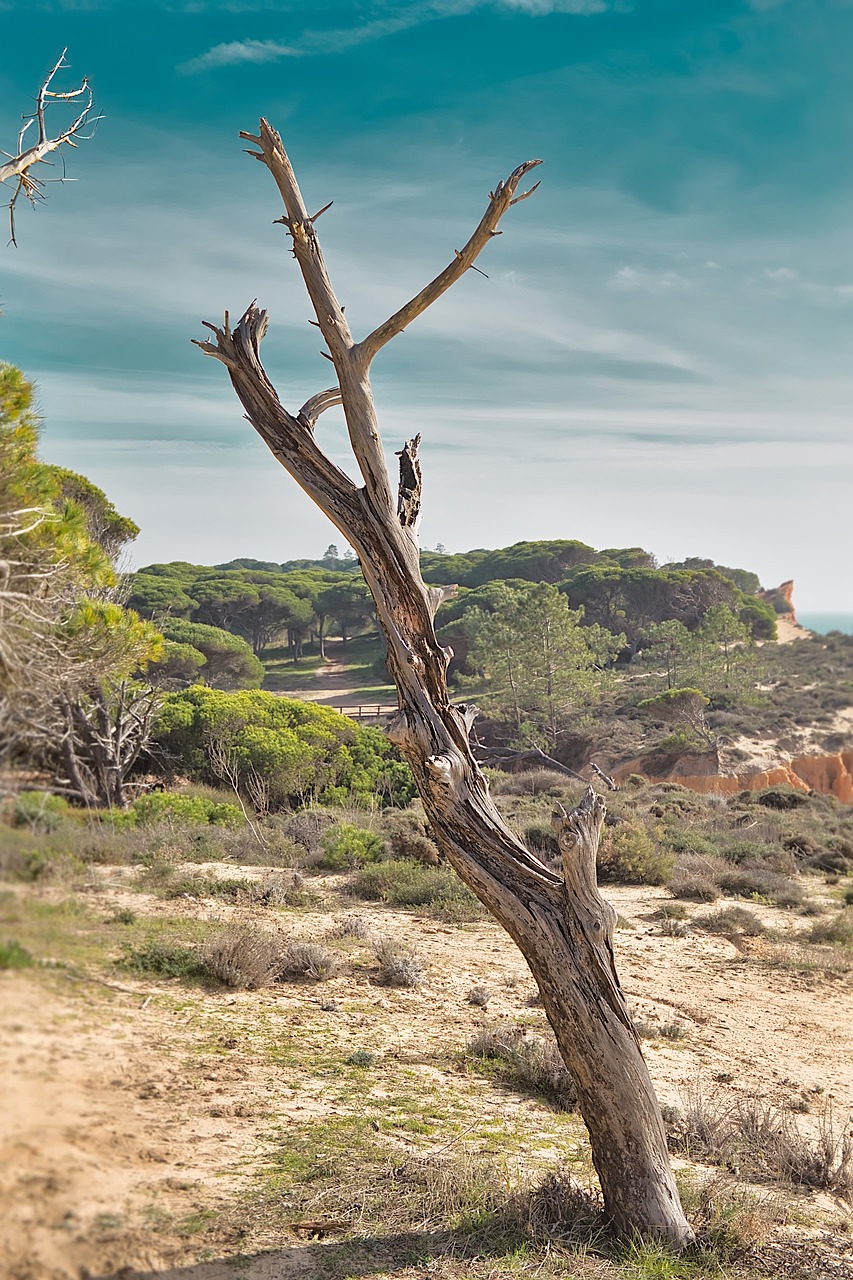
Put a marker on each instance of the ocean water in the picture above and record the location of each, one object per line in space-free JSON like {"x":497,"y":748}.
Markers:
{"x":824,"y":622}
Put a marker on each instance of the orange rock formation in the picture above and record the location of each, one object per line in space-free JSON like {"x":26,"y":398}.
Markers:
{"x":830,"y":775}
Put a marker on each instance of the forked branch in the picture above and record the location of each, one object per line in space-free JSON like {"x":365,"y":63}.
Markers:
{"x":500,"y":200}
{"x":20,"y":165}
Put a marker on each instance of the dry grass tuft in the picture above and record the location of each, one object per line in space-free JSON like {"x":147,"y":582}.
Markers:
{"x":399,"y":963}
{"x":307,"y":960}
{"x":244,"y":957}
{"x":753,"y":1137}
{"x":527,"y":1063}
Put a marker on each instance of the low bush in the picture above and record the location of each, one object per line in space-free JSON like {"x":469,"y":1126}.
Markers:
{"x":731,"y":920}
{"x":838,"y":931}
{"x":243,"y":957}
{"x":165,"y":960}
{"x":408,"y":838}
{"x":693,"y":886}
{"x":399,"y":963}
{"x":529,"y":1063}
{"x":307,"y":960}
{"x":760,"y":882}
{"x":185,"y":810}
{"x":346,"y":846}
{"x":40,"y":811}
{"x":409,"y":884}
{"x":628,"y":855}
{"x":14,"y":956}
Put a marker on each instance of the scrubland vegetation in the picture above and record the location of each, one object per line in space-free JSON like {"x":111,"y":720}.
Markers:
{"x":436,"y":1098}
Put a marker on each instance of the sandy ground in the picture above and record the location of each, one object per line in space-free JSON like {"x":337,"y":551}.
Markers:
{"x":129,"y":1108}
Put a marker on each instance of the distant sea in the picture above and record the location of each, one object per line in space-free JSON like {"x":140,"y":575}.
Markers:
{"x":823,"y":622}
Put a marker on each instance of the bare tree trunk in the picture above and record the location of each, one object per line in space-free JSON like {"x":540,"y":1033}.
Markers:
{"x":561,"y":924}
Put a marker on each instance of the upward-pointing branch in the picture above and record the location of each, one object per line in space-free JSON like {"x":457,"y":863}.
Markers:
{"x":500,"y":200}
{"x":352,"y":374}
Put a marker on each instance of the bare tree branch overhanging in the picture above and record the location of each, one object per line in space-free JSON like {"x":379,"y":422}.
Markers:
{"x":560,"y":922}
{"x":18,"y":168}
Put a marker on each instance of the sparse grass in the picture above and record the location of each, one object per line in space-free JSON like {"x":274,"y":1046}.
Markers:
{"x":530,"y":1063}
{"x":760,"y":1140}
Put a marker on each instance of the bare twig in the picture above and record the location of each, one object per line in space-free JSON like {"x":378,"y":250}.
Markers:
{"x":19,"y":166}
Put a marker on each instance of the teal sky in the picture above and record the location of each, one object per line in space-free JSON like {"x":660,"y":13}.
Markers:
{"x":661,"y":354}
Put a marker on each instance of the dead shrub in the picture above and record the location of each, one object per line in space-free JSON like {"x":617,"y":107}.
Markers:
{"x":244,"y":957}
{"x":732,"y":920}
{"x":307,"y":960}
{"x":399,"y":963}
{"x":479,"y":996}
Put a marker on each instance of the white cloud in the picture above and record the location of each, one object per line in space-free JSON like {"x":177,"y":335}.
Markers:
{"x":628,"y":279}
{"x":236,"y":51}
{"x":537,"y":7}
{"x":780,"y":273}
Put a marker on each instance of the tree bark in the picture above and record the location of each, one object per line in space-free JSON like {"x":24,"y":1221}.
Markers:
{"x":561,"y":924}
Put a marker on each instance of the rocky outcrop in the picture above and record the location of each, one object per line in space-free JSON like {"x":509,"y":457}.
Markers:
{"x":830,"y":775}
{"x":781,"y":599}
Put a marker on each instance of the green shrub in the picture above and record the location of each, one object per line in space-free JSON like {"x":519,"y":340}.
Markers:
{"x":345,"y":846}
{"x":629,"y":855}
{"x":14,"y":956}
{"x":186,"y":810}
{"x":164,"y":960}
{"x":39,"y":810}
{"x":409,"y":884}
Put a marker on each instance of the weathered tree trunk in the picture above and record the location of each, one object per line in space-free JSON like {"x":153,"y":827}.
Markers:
{"x":561,"y":924}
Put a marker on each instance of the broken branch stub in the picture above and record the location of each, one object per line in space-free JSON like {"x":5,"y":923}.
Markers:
{"x":552,"y":918}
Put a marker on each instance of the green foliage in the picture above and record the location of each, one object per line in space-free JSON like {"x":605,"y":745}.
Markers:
{"x":13,"y":955}
{"x":39,"y":810}
{"x":228,"y":660}
{"x":629,"y":855}
{"x":185,"y":810}
{"x":164,"y":959}
{"x":345,"y":846}
{"x":538,"y":660}
{"x":301,"y":750}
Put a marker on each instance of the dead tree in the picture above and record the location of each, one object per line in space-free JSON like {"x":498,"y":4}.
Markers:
{"x":18,"y":167}
{"x":561,"y":924}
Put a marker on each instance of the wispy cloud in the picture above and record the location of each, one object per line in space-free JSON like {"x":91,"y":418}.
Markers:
{"x":234,"y":52}
{"x":630,"y":278}
{"x":338,"y":39}
{"x":780,"y":273}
